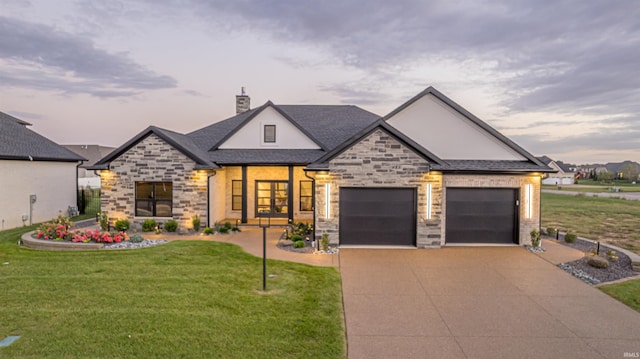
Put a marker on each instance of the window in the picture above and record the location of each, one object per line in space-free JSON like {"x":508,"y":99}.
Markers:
{"x":306,"y":195}
{"x":154,"y":199}
{"x":236,"y":195}
{"x":269,"y":133}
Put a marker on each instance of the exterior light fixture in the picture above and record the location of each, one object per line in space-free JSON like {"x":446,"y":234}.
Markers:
{"x":529,"y":198}
{"x":327,"y":190}
{"x":428,"y":204}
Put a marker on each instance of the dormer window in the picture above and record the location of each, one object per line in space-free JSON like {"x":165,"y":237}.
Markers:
{"x":269,"y":134}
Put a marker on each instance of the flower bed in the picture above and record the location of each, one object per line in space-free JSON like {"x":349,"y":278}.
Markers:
{"x":58,"y":229}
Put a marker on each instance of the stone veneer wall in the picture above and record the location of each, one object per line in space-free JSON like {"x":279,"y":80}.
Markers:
{"x":379,"y":160}
{"x":502,"y":181}
{"x":152,"y":159}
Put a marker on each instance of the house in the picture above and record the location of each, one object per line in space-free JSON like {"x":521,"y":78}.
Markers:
{"x":563,"y":176}
{"x":38,"y":176}
{"x":88,"y":178}
{"x":428,"y":174}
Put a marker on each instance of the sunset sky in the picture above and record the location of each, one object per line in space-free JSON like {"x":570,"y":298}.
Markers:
{"x":560,"y":78}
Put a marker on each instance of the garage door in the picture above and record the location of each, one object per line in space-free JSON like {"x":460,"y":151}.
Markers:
{"x":378,"y":216}
{"x":481,"y":215}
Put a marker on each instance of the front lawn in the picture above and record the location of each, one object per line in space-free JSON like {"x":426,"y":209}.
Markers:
{"x":183,"y":299}
{"x":610,"y":220}
{"x":626,"y":292}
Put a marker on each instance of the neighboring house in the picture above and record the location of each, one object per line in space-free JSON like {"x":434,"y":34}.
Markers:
{"x":428,"y":174}
{"x":93,"y":153}
{"x":37,"y":176}
{"x":619,"y":169}
{"x":562,"y":176}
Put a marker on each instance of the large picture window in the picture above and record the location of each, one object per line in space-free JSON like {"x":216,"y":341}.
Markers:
{"x":306,"y":195}
{"x":154,"y":199}
{"x":236,"y":195}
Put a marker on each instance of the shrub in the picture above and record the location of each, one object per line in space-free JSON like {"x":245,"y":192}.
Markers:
{"x":104,"y":221}
{"x":324,"y":242}
{"x":136,"y":238}
{"x":597,"y":261}
{"x":535,"y":238}
{"x":296,"y":237}
{"x":195,"y":221}
{"x":570,"y":237}
{"x":235,"y":229}
{"x":227,"y":225}
{"x":149,"y":225}
{"x":223,"y":230}
{"x":301,"y":228}
{"x":122,"y":224}
{"x":171,"y":225}
{"x":298,"y":244}
{"x":551,"y":231}
{"x":207,"y":231}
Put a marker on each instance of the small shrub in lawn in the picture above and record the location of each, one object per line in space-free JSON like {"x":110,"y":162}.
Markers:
{"x":597,"y":261}
{"x":208,"y":230}
{"x":171,"y":225}
{"x":535,"y":238}
{"x":570,"y":237}
{"x":551,"y":231}
{"x":296,"y":237}
{"x":149,"y":225}
{"x":122,"y":224}
{"x":136,"y":238}
{"x":195,"y":221}
{"x":298,"y":244}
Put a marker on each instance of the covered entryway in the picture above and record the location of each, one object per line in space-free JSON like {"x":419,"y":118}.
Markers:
{"x":377,"y":216}
{"x":482,"y":215}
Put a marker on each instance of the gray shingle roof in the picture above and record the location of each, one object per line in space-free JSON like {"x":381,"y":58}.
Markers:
{"x":492,"y":166}
{"x":17,"y":142}
{"x":261,"y":157}
{"x":92,"y":153}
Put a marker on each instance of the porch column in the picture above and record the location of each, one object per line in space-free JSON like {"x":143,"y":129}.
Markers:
{"x":290,"y":194}
{"x":244,"y":194}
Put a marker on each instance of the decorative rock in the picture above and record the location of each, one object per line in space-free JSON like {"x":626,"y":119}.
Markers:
{"x":598,"y":262}
{"x":286,"y":243}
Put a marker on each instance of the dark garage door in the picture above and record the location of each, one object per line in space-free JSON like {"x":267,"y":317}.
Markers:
{"x":481,"y":215}
{"x":378,"y":216}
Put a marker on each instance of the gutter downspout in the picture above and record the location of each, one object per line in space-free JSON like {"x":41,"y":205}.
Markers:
{"x":313,"y":201}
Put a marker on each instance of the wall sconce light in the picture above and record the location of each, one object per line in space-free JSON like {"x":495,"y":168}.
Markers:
{"x":327,"y":190}
{"x":428,"y":201}
{"x":529,"y":199}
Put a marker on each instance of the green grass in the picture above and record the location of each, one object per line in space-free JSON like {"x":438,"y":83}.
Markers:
{"x":606,"y":219}
{"x":626,"y":292}
{"x":191,"y":299}
{"x":615,"y":183}
{"x":591,"y":189}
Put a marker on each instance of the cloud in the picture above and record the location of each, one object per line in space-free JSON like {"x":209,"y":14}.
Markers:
{"x":42,"y":57}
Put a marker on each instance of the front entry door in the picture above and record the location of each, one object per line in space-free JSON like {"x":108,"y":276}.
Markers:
{"x":272,"y":197}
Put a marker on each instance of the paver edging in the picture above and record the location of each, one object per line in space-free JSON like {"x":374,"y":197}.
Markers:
{"x":34,"y":243}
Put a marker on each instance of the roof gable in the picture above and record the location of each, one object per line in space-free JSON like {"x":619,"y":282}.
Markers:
{"x":288,"y":133}
{"x":451,"y":132}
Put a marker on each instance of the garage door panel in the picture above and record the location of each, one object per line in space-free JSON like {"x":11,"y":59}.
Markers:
{"x":377,"y":216}
{"x":481,"y":215}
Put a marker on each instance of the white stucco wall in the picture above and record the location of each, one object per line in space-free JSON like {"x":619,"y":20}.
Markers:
{"x":251,"y":136}
{"x":449,"y":135}
{"x":54,"y":184}
{"x":217,"y":197}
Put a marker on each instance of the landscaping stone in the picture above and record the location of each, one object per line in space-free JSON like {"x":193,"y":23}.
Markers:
{"x":597,"y":261}
{"x":286,"y":243}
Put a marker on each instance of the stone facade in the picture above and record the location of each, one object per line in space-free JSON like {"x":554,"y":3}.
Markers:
{"x":152,"y":159}
{"x":380,"y":160}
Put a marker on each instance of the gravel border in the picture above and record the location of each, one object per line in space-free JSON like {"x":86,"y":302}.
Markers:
{"x":130,"y":245}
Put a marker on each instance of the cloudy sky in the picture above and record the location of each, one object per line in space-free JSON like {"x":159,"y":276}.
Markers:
{"x":561,"y":78}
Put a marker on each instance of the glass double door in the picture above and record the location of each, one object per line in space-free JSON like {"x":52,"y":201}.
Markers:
{"x":272,"y":197}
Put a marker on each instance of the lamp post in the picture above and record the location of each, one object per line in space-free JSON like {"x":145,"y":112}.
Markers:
{"x":264,"y":220}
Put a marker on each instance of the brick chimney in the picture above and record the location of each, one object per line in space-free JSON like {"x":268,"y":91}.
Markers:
{"x":243,"y":102}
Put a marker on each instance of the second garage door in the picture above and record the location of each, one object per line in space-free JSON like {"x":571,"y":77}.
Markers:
{"x":481,"y":215}
{"x":377,"y":216}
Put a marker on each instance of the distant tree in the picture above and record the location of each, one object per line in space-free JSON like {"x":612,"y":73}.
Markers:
{"x":606,"y":176}
{"x":630,"y":172}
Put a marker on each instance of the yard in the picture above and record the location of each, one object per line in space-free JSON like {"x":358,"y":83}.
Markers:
{"x":182,"y":299}
{"x":609,"y":220}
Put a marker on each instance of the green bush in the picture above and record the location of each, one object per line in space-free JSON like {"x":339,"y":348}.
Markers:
{"x":570,"y":237}
{"x":301,"y":228}
{"x":136,"y":238}
{"x":296,"y":237}
{"x":324,"y":242}
{"x":227,"y":225}
{"x":535,"y":237}
{"x":171,"y":225}
{"x":298,"y":244}
{"x":551,"y":231}
{"x":149,"y":225}
{"x":122,"y":224}
{"x":235,"y":229}
{"x":208,"y":231}
{"x":223,"y":230}
{"x":195,"y":221}
{"x":104,"y":221}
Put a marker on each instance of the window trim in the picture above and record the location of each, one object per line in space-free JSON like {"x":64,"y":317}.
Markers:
{"x":234,"y":195}
{"x":264,"y":133}
{"x":300,"y":196}
{"x":154,"y":200}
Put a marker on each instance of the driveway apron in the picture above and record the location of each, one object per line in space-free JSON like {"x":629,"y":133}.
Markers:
{"x":477,"y":302}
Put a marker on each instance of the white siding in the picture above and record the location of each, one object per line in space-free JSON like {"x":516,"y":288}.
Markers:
{"x":250,"y":136}
{"x":448,"y":134}
{"x":54,"y":184}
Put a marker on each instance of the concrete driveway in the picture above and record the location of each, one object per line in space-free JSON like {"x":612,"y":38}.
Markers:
{"x":477,"y":302}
